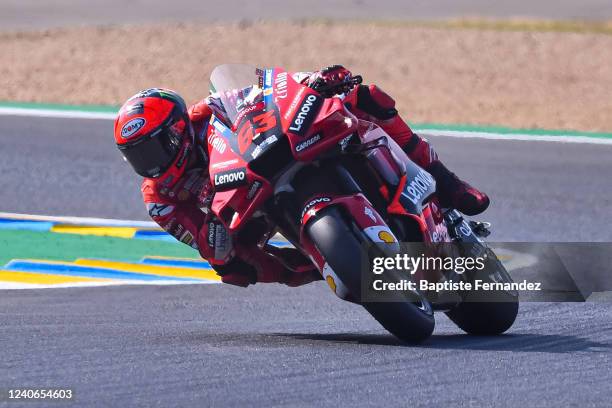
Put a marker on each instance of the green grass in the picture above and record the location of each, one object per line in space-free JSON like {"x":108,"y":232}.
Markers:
{"x":565,"y":26}
{"x":517,"y":24}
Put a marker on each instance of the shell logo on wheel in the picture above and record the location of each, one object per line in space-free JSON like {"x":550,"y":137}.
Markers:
{"x":386,"y":236}
{"x":330,"y":281}
{"x":334,"y":282}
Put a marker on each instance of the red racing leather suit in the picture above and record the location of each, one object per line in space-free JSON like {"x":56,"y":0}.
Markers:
{"x":178,"y":209}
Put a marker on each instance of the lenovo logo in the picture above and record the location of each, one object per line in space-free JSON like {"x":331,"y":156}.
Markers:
{"x":305,"y":114}
{"x":314,"y":202}
{"x":226,"y":180}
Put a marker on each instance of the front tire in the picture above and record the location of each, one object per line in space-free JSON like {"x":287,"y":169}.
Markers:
{"x":342,"y":247}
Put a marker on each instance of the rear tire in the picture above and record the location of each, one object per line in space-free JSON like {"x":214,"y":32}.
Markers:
{"x":484,"y":319}
{"x":487,"y":313}
{"x":342,"y":247}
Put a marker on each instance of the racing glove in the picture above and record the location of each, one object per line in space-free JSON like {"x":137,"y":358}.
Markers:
{"x":254,"y":265}
{"x":331,"y":81}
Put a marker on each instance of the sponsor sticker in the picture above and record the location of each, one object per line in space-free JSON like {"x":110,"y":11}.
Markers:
{"x":221,"y":165}
{"x":135,"y":109}
{"x":331,"y":282}
{"x":131,"y":127}
{"x":179,"y":230}
{"x":159,"y":210}
{"x":253,"y":189}
{"x":368,"y":211}
{"x":265,"y":143}
{"x":226,"y":180}
{"x":334,"y":282}
{"x":223,"y":242}
{"x":294,"y":103}
{"x":314,"y":202}
{"x":281,"y":85}
{"x":187,"y":238}
{"x":305,"y":114}
{"x":183,"y":157}
{"x":419,"y":186}
{"x":344,"y":142}
{"x":217,"y":143}
{"x":221,"y":128}
{"x":382,"y":234}
{"x":211,"y":234}
{"x":386,"y":236}
{"x":307,"y":143}
{"x":268,"y":77}
{"x":256,"y":152}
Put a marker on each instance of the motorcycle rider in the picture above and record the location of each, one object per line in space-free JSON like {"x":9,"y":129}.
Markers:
{"x":165,"y":142}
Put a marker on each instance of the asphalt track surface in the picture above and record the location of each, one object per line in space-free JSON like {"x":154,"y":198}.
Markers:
{"x":35,"y":14}
{"x":216,"y":345}
{"x":271,"y":346}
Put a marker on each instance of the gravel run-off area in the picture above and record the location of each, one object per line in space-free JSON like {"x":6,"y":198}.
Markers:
{"x":526,"y":79}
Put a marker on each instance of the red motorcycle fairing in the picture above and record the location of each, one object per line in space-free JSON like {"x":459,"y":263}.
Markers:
{"x":288,"y":110}
{"x":408,"y":188}
{"x":312,"y":124}
{"x":359,"y":209}
{"x":239,"y":192}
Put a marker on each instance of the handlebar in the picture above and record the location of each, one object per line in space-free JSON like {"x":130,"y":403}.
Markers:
{"x":343,"y":87}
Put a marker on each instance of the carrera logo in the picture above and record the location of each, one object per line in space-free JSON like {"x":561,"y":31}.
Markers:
{"x":305,"y":114}
{"x":314,"y":202}
{"x":307,"y":143}
{"x":227,"y":180}
{"x":419,"y":186}
{"x":132,"y":127}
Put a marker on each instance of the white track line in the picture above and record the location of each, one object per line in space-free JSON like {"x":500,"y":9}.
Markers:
{"x":569,"y":138}
{"x":80,"y":220}
{"x":516,"y":136}
{"x":53,"y":113}
{"x":18,"y":285}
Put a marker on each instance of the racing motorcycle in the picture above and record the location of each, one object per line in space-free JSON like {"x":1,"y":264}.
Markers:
{"x":341,"y":191}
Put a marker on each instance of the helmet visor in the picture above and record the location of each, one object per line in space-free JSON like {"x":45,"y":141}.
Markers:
{"x":153,"y":155}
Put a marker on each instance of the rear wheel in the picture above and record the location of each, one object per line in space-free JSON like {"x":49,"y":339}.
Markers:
{"x":342,"y":246}
{"x":487,"y":313}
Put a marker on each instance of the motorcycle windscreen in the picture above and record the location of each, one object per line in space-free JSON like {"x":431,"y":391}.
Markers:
{"x":232,"y":83}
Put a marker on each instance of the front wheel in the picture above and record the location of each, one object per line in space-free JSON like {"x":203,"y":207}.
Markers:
{"x":341,"y":244}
